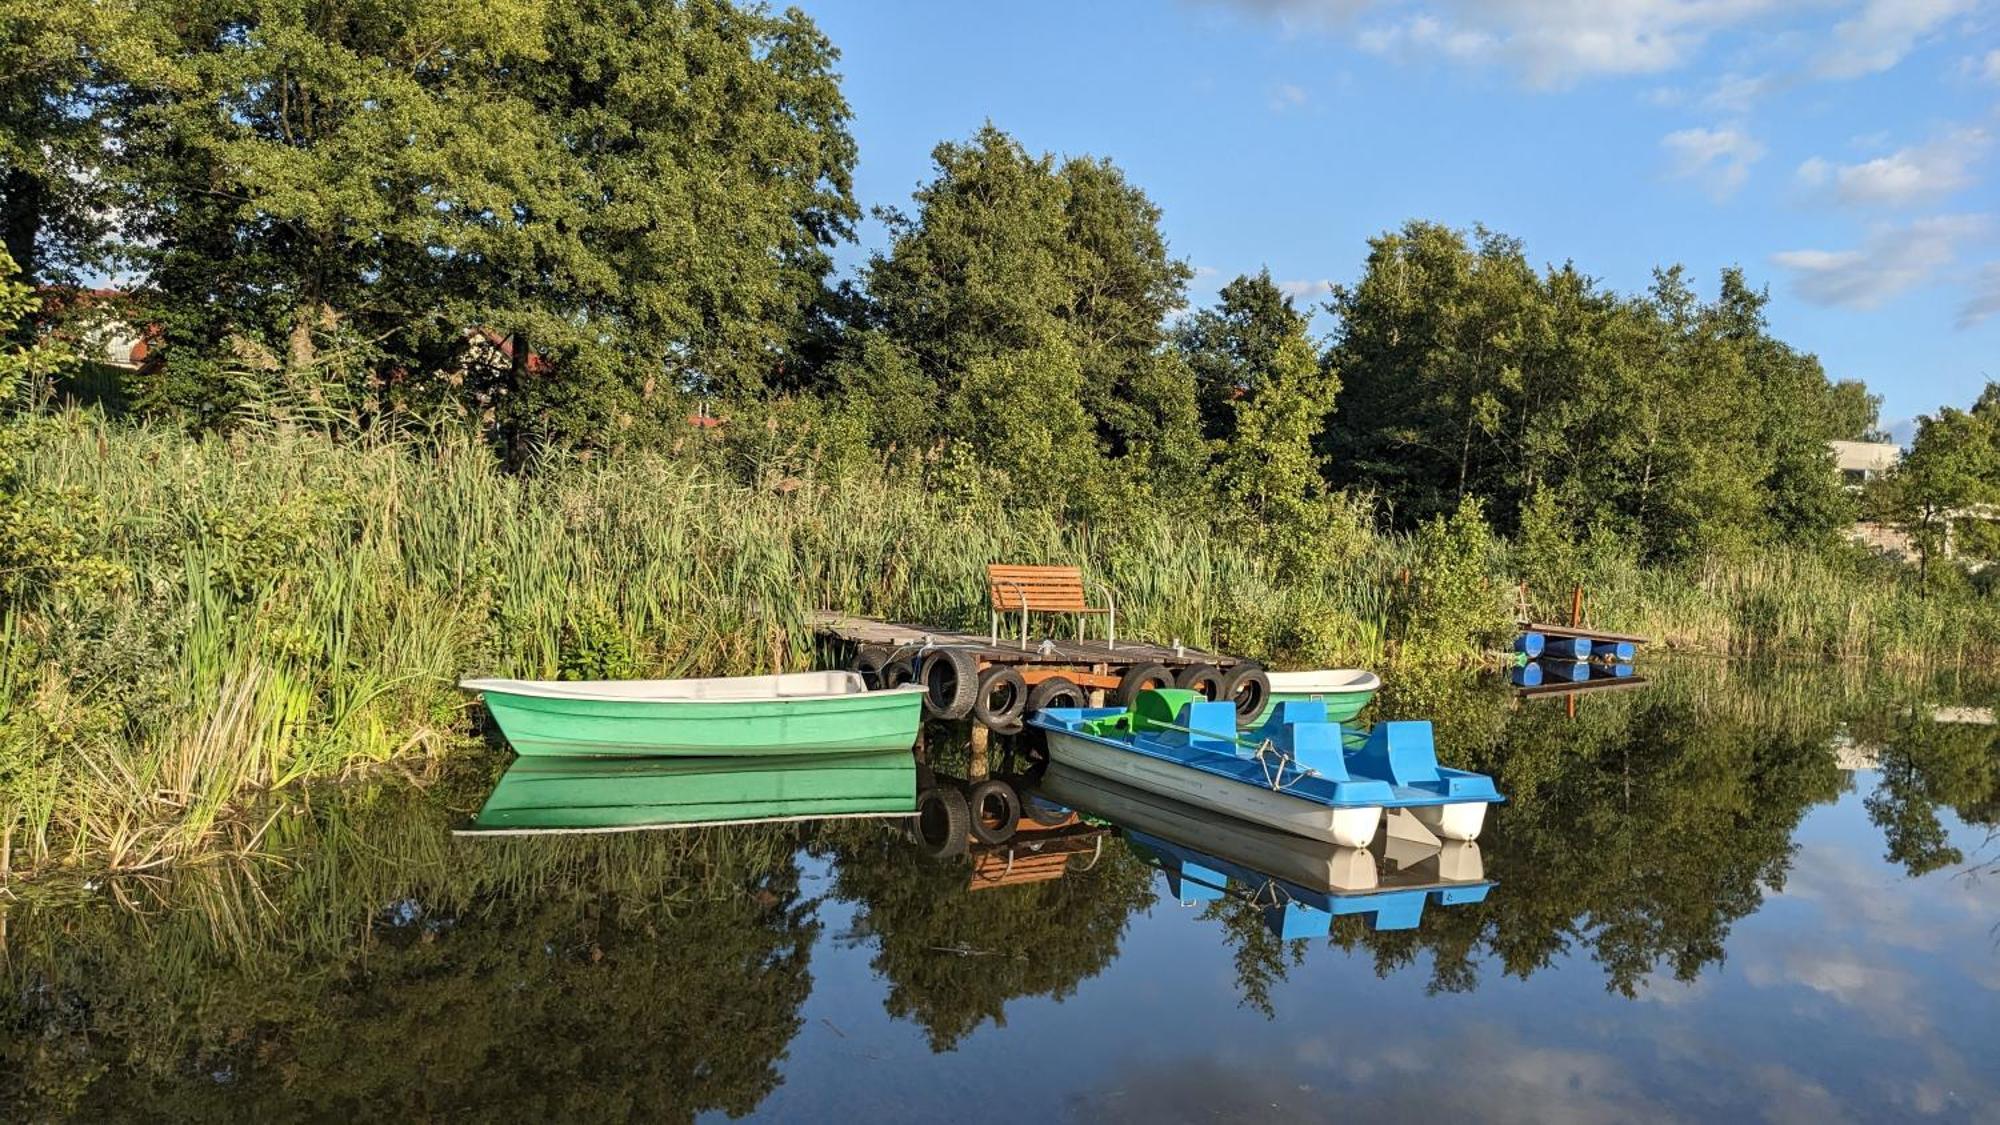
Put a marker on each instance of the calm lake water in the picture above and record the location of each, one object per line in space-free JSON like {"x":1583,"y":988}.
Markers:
{"x":1736,"y":894}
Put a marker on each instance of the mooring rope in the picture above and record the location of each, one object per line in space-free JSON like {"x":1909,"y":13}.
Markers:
{"x":1274,"y":775}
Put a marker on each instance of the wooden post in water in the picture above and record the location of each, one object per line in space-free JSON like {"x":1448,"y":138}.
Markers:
{"x":1576,"y":607}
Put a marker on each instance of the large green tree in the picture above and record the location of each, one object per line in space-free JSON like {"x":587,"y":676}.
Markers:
{"x":1264,"y":400}
{"x":1951,"y":471}
{"x":1676,"y":419}
{"x":641,"y":193}
{"x":59,"y":61}
{"x":1031,"y":295}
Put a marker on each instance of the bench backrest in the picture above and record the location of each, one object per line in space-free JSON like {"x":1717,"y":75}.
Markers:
{"x":1056,"y":589}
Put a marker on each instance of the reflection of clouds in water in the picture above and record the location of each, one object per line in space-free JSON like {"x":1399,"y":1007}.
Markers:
{"x":1866,"y":984}
{"x":1854,"y":892}
{"x":1661,"y":988}
{"x":1887,"y":996}
{"x":1790,"y":1098}
{"x":1485,"y":1076}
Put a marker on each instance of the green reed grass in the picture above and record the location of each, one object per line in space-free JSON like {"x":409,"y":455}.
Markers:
{"x":284,"y":608}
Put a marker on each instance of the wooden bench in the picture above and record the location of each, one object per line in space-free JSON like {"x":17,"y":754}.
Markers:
{"x":1045,"y":589}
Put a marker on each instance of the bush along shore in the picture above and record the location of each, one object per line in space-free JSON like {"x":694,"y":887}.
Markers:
{"x":193,"y":621}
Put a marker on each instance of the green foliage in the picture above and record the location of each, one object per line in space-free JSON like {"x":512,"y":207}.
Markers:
{"x":1451,"y":595}
{"x":1952,"y":472}
{"x":1469,"y":374}
{"x":1265,"y":400}
{"x":1032,"y":296}
{"x":641,"y":197}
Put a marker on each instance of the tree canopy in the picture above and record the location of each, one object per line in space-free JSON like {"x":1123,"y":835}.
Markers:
{"x":559,"y":222}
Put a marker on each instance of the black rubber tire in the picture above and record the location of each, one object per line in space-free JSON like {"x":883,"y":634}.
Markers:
{"x":951,"y":681}
{"x":1203,"y":678}
{"x":1138,"y":678}
{"x":942,"y":822}
{"x":995,"y":809}
{"x":1056,"y":691}
{"x":1001,"y":699}
{"x":869,"y":660}
{"x":896,"y":673}
{"x":1249,"y":688}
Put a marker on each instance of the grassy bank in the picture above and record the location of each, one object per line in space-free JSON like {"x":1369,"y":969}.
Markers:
{"x":198,"y":620}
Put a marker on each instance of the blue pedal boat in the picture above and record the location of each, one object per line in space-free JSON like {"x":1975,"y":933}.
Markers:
{"x":1292,"y":773}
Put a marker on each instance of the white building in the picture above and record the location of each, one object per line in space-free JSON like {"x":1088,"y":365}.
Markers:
{"x":1859,"y":462}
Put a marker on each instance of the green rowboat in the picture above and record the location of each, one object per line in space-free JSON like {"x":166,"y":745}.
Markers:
{"x":584,"y":794}
{"x":1345,"y":690}
{"x":800,"y":713}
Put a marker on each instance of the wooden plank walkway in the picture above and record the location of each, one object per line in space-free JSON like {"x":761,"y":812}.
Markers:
{"x":1593,"y":634}
{"x":1054,"y":651}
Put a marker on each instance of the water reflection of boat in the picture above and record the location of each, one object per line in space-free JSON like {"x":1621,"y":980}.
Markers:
{"x":1300,"y":885}
{"x":582,"y":794}
{"x":803,"y":712}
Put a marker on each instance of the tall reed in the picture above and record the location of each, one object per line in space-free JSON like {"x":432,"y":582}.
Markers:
{"x":272,"y":606}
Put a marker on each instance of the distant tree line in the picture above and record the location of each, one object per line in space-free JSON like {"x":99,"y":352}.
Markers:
{"x":571,"y":223}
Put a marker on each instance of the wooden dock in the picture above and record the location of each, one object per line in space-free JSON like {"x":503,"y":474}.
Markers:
{"x":1050,"y":652}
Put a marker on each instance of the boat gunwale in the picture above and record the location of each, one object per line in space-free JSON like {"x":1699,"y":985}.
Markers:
{"x":623,"y":691}
{"x":1296,"y":683}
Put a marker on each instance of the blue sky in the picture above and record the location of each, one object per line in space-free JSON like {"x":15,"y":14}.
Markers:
{"x":1841,"y":151}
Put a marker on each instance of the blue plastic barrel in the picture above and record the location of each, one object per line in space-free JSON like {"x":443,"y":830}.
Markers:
{"x":1620,"y":651}
{"x":1529,"y":644}
{"x":1528,"y":675}
{"x":1575,"y":671}
{"x":1567,"y":648}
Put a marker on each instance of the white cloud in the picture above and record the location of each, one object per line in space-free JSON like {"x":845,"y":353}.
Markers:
{"x":1983,"y":304}
{"x":1989,"y":67}
{"x":1719,"y":158}
{"x":1551,"y":42}
{"x":1877,"y":37}
{"x":1305,"y":290}
{"x":1919,"y":174}
{"x":1730,"y":94}
{"x":1889,"y":262}
{"x":1286,"y":96}
{"x":1555,"y":43}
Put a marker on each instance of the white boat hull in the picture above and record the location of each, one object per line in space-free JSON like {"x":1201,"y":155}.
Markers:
{"x":1459,"y":821}
{"x":1348,"y":827}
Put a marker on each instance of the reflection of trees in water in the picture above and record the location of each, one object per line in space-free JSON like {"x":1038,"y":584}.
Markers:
{"x":953,"y":956}
{"x":1640,"y":831}
{"x":393,"y":972}
{"x":1263,"y":959}
{"x":1927,"y":765}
